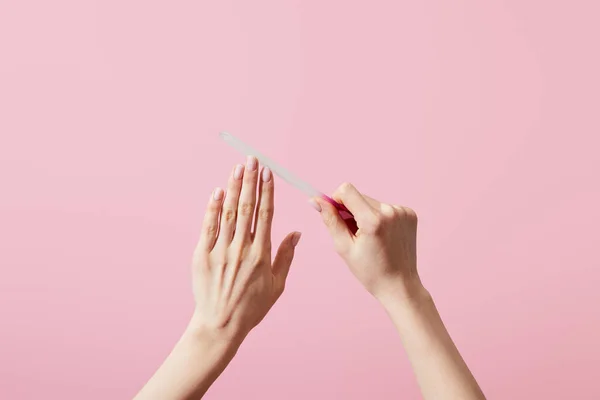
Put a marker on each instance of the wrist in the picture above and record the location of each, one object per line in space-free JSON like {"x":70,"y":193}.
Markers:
{"x":405,"y":295}
{"x":221,"y":341}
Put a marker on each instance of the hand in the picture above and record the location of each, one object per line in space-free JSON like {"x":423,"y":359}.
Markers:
{"x":235,"y":284}
{"x":382,"y":253}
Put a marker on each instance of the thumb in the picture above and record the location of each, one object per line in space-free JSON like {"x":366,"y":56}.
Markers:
{"x":284,"y":257}
{"x":342,"y":237}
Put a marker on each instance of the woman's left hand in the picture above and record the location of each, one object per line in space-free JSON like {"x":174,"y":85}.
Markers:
{"x":235,"y":283}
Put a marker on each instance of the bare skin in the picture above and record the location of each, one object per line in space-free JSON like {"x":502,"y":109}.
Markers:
{"x":236,"y":283}
{"x":382,"y":256}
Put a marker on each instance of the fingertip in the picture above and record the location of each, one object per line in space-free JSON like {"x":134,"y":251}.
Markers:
{"x":314,"y":203}
{"x":218,"y":194}
{"x":327,"y":207}
{"x":285,"y":255}
{"x":266,"y":175}
{"x":238,"y":172}
{"x":296,"y":238}
{"x":266,"y":183}
{"x":251,"y":163}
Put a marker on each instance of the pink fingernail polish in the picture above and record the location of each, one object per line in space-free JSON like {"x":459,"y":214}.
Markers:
{"x":237,"y":173}
{"x":266,"y":174}
{"x":314,"y":204}
{"x":251,"y":163}
{"x":218,"y":194}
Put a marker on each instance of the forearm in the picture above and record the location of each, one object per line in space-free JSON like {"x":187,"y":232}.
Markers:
{"x":440,"y":370}
{"x":195,"y":363}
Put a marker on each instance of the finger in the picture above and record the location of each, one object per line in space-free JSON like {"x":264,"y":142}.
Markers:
{"x":264,"y":211}
{"x":341,"y":235}
{"x":376,"y":204}
{"x":350,"y":197}
{"x":247,"y":200}
{"x":230,"y":205}
{"x":384,"y":208}
{"x":284,"y":257}
{"x":210,"y":224}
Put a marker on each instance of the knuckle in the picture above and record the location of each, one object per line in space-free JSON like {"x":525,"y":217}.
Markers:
{"x":260,"y":254}
{"x":211,"y":229}
{"x":267,"y":187}
{"x":218,"y":262}
{"x":228,"y":214}
{"x":379,"y":223}
{"x":246,"y":209}
{"x":345,"y":187}
{"x":329,"y":219}
{"x":375,"y":225}
{"x":387,"y":211}
{"x":265,"y":213}
{"x":407,"y":213}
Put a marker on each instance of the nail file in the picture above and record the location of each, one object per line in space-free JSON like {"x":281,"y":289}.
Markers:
{"x":289,"y":177}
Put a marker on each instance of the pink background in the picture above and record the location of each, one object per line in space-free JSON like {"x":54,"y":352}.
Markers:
{"x":481,"y":115}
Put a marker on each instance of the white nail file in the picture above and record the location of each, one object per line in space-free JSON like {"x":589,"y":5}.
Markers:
{"x":289,"y":177}
{"x":282,"y":172}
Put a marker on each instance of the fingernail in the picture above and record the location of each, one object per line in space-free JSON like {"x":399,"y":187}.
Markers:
{"x":296,"y":238}
{"x":266,"y":174}
{"x":314,"y":204}
{"x":237,"y":173}
{"x":251,"y":163}
{"x":218,"y":194}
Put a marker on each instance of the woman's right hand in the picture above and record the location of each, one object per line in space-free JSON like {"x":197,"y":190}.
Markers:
{"x":382,"y":253}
